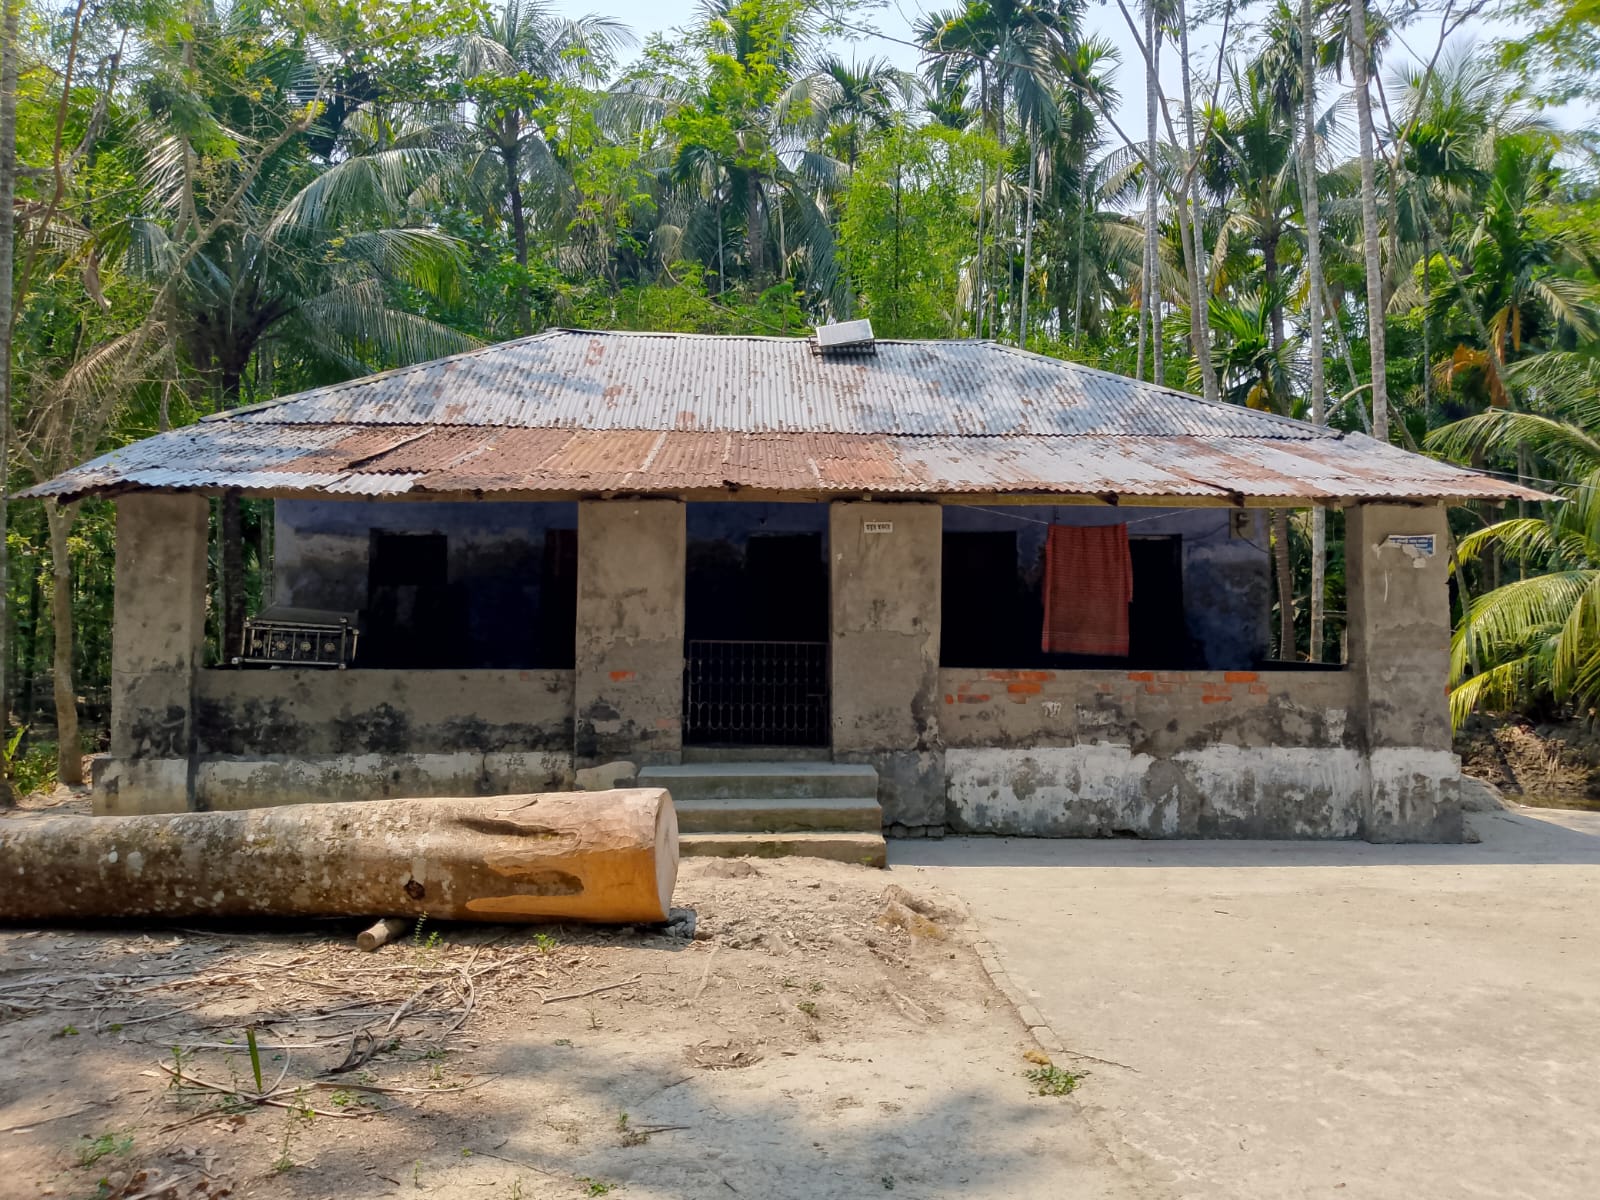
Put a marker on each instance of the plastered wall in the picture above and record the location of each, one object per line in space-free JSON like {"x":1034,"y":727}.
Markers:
{"x":628,"y":683}
{"x":885,"y":624}
{"x":1151,"y":753}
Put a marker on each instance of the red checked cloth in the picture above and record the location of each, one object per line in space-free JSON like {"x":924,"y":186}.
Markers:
{"x":1088,"y":584}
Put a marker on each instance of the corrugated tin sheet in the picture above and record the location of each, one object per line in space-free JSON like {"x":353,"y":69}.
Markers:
{"x":425,"y":461}
{"x":568,"y":379}
{"x":575,"y":412}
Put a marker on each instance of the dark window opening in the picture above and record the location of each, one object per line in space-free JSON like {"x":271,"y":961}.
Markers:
{"x":1157,"y":636}
{"x":433,"y":585}
{"x":986,"y":618}
{"x":993,"y":608}
{"x":410,"y":618}
{"x":775,"y":590}
{"x":558,"y":600}
{"x":509,"y":608}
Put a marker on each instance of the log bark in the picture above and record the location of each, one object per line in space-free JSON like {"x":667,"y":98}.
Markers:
{"x":561,"y":856}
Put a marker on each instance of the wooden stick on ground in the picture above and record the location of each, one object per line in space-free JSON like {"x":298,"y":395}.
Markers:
{"x":382,"y":933}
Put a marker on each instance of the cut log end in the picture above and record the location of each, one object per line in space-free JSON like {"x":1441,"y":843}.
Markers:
{"x":382,"y":933}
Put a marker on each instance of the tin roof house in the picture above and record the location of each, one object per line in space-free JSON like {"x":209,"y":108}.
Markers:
{"x":818,"y":587}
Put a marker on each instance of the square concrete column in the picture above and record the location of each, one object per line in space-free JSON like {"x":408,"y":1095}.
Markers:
{"x":1399,"y":627}
{"x":886,"y":561}
{"x":628,"y":681}
{"x":157,"y":649}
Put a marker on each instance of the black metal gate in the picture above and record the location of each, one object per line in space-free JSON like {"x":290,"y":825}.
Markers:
{"x":755,"y":693}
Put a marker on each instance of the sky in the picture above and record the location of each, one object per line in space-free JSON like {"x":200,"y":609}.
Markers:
{"x":897,"y":17}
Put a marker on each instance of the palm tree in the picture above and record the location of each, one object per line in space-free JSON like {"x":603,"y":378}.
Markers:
{"x":1255,"y":365}
{"x":1522,"y":271}
{"x":1536,"y":639}
{"x":741,"y":154}
{"x":1293,"y":51}
{"x":10,"y":53}
{"x":1099,"y":243}
{"x":1360,"y":65}
{"x":308,"y":267}
{"x":1251,"y":168}
{"x":848,"y":102}
{"x":1149,"y":288}
{"x":1309,"y":204}
{"x":844,"y":104}
{"x":510,"y":68}
{"x":1017,"y":51}
{"x":1193,"y":230}
{"x":1077,"y":187}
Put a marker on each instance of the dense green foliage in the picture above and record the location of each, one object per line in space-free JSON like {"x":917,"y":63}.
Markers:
{"x":218,"y":203}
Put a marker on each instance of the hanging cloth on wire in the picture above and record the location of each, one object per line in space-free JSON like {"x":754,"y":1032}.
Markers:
{"x":1088,"y":585}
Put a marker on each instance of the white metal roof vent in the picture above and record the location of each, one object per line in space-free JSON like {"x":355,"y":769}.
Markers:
{"x":844,"y":340}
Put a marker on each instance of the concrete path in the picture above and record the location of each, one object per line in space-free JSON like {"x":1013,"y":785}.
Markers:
{"x":1315,"y":1019}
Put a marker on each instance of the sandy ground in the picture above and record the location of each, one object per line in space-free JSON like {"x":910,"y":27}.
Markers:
{"x":797,"y":1048}
{"x":1301,"y":1019}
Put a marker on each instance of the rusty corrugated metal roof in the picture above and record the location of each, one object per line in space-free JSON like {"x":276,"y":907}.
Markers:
{"x":580,"y":412}
{"x":571,"y":379}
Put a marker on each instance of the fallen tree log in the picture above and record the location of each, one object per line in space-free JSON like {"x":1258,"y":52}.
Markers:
{"x":580,"y":856}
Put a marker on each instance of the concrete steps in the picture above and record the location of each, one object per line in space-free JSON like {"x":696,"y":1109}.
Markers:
{"x":867,"y":849}
{"x":773,"y":809}
{"x":766,"y":754}
{"x":829,"y":814}
{"x":763,"y":781}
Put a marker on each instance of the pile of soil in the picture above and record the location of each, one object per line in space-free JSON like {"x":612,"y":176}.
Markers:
{"x":1550,"y":764}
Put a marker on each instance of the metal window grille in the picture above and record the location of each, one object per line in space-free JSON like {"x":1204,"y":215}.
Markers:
{"x":270,"y":642}
{"x":756,"y":693}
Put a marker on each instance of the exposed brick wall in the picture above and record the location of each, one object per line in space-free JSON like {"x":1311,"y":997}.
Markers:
{"x":1155,"y":710}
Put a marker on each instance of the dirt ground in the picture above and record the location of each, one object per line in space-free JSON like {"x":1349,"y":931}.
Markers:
{"x":1548,"y":765}
{"x":1316,"y":1019}
{"x":801,"y":1044}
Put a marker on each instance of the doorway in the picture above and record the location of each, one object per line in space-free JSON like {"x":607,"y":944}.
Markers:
{"x":1157,"y":636}
{"x":756,"y":670}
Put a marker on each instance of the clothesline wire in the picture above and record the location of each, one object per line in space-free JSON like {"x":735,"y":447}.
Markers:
{"x":1000,"y":512}
{"x":1209,"y":535}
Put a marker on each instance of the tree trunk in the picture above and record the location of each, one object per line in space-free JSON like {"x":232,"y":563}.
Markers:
{"x":519,"y":234}
{"x":1199,"y":325}
{"x":1027,"y":240}
{"x":983,"y":188}
{"x":1343,"y":343}
{"x":1077,"y":274}
{"x":231,"y":536}
{"x":9,"y":56}
{"x":565,"y":856}
{"x":1269,"y":273}
{"x":1285,"y":572}
{"x":1360,"y":62}
{"x":69,"y":749}
{"x":1427,"y":352}
{"x":755,"y":241}
{"x":995,"y":326}
{"x":1310,"y":204}
{"x":1152,"y":238}
{"x":28,"y":659}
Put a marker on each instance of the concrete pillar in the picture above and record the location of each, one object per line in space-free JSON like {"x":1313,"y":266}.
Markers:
{"x":885,"y":657}
{"x":628,"y":680}
{"x":1399,"y":626}
{"x":157,"y":649}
